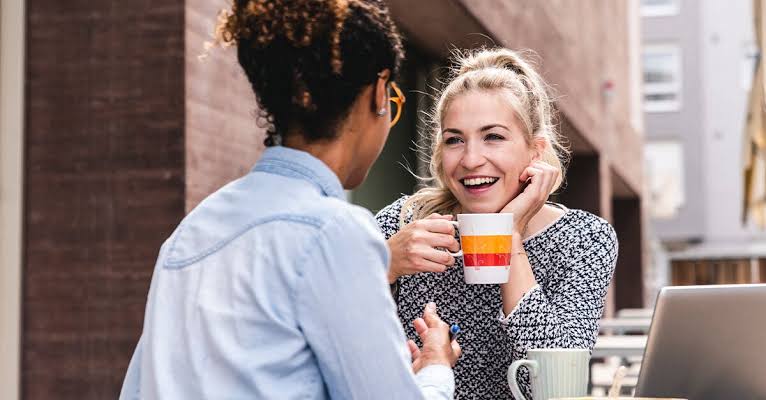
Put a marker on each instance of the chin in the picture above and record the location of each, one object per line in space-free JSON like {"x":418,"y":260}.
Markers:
{"x":486,"y":208}
{"x":355,"y":180}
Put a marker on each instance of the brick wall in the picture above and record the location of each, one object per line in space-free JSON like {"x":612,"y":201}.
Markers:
{"x":126,"y":131}
{"x":104,"y":174}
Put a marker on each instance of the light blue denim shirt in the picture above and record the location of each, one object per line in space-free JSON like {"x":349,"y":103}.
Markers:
{"x":274,"y":287}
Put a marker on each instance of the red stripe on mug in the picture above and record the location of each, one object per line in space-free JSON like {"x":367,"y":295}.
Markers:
{"x":488,"y":260}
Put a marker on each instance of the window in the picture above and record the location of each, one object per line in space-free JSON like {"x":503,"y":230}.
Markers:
{"x":660,"y":8}
{"x":665,"y":176}
{"x":662,"y":78}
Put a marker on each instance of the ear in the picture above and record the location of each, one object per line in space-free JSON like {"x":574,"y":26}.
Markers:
{"x":380,"y":92}
{"x":539,"y":144}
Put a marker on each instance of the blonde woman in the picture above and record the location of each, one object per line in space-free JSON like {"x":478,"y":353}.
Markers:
{"x":496,"y":150}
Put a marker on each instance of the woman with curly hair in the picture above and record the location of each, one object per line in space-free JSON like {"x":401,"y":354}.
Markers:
{"x":495,"y":149}
{"x":274,"y":286}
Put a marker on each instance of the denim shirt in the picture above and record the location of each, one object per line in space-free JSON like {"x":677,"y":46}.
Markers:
{"x":274,"y":287}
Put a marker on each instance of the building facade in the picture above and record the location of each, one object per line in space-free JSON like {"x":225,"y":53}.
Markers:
{"x":113,"y":129}
{"x":699,"y":59}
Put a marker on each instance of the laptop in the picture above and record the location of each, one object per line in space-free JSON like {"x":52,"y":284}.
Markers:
{"x":706,"y":342}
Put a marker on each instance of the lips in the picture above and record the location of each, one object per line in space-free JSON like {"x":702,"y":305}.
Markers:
{"x":478,"y":184}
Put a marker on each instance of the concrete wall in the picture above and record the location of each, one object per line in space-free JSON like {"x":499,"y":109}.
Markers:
{"x":12,"y":21}
{"x":728,"y":35}
{"x":222,"y":140}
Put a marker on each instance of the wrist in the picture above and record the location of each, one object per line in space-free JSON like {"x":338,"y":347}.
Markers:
{"x":433,"y":359}
{"x":517,"y":241}
{"x":392,"y":277}
{"x":520,"y":226}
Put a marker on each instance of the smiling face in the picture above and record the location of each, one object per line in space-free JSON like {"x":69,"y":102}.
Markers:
{"x":484,"y":150}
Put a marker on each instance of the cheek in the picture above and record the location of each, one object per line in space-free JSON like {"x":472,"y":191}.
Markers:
{"x":512,"y":161}
{"x":449,"y":164}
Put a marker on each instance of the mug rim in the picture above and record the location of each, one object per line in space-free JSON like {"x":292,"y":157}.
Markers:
{"x":483,"y":214}
{"x":568,"y":350}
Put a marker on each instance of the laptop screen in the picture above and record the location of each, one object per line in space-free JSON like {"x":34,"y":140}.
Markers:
{"x":706,"y":342}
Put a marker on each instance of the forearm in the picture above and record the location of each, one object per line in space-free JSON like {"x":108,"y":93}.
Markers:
{"x":521,"y":278}
{"x":552,"y":327}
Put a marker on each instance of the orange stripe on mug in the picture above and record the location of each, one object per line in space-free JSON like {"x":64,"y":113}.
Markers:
{"x":489,"y":244}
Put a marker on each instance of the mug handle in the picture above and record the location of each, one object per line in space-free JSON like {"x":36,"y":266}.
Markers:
{"x":459,"y":253}
{"x":513,"y":383}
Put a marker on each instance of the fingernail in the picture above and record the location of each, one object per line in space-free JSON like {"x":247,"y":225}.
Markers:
{"x":431,"y":307}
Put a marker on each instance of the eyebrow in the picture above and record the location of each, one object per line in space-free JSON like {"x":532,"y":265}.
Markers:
{"x":483,"y":128}
{"x":490,"y":126}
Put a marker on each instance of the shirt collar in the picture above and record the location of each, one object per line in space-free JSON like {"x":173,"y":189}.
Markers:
{"x":299,"y":164}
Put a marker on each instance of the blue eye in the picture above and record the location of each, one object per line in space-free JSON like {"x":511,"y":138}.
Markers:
{"x":453,"y":140}
{"x":494,"y":136}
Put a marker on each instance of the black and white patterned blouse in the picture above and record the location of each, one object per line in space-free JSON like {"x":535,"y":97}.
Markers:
{"x":573,"y":261}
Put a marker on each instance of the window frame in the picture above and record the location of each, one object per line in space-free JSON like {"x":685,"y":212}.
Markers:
{"x":674,"y":50}
{"x":671,"y":8}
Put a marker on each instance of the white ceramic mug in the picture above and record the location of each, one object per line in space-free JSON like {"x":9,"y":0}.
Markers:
{"x":485,"y":241}
{"x":553,"y":373}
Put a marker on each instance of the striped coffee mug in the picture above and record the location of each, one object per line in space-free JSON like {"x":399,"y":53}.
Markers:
{"x":485,"y":241}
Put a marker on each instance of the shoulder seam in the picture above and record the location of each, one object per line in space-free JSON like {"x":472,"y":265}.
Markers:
{"x":176,"y":264}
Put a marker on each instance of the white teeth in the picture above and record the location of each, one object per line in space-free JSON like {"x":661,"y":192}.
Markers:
{"x":478,"y":181}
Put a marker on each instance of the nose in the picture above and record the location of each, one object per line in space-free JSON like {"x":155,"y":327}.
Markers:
{"x":473,"y":157}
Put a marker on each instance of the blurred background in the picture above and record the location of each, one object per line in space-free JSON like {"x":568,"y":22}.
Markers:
{"x":112,"y":129}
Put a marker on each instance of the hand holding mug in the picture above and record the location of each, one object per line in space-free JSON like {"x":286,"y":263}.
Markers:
{"x":414,"y":247}
{"x":539,"y":177}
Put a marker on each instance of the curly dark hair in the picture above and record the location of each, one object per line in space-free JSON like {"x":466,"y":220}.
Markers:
{"x":308,"y":60}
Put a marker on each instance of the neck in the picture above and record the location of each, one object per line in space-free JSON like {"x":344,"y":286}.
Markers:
{"x":547,"y":215}
{"x":333,"y":152}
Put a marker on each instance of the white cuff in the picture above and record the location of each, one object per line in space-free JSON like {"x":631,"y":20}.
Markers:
{"x":436,"y":382}
{"x":506,"y":319}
